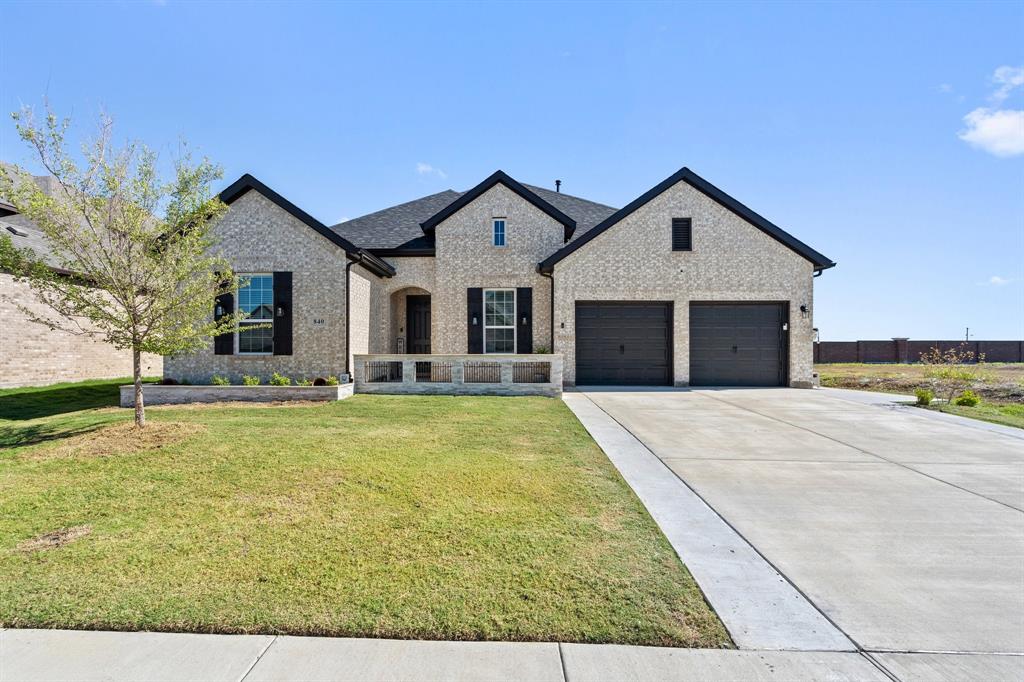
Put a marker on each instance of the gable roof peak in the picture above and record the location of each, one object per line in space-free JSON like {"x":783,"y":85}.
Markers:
{"x":242,"y":185}
{"x":684,"y":174}
{"x":500,"y":176}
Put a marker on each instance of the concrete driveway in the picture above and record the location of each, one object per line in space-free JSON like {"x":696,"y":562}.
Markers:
{"x":906,"y":530}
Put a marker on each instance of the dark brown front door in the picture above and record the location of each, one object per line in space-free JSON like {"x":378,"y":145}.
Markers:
{"x":417,"y":324}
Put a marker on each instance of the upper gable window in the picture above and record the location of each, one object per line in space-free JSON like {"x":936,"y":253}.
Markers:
{"x":499,"y":232}
{"x":682,"y":234}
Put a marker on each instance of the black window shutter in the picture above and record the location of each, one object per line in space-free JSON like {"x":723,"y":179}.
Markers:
{"x":524,"y":320}
{"x":682,"y":234}
{"x":224,"y":306}
{"x":475,"y":320}
{"x":282,"y":313}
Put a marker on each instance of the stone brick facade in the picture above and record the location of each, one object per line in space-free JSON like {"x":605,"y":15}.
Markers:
{"x":466,"y":257}
{"x":731,"y":260}
{"x":258,"y":236}
{"x":34,"y":355}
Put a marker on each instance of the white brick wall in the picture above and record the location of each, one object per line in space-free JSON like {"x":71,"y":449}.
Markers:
{"x":731,"y":261}
{"x":467,"y":258}
{"x":258,"y":236}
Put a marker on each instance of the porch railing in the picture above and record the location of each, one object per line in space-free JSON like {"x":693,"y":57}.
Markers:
{"x":459,"y":374}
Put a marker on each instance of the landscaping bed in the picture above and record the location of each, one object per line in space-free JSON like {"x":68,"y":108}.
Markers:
{"x":381,"y":516}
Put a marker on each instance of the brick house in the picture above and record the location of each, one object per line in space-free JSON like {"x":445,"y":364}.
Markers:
{"x":683,"y":286}
{"x":34,"y":355}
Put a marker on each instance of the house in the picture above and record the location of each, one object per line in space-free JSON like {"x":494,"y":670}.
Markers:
{"x":32,"y":354}
{"x":683,"y":286}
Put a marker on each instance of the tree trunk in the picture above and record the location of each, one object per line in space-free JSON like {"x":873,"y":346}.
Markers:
{"x":140,"y":408}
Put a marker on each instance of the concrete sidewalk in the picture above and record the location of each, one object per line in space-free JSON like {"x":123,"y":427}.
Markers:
{"x":37,"y":655}
{"x":84,"y":656}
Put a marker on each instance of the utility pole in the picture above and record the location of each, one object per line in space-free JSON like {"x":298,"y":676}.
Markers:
{"x":967,"y":334}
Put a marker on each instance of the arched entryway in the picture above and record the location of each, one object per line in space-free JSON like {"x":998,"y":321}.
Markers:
{"x":410,"y":321}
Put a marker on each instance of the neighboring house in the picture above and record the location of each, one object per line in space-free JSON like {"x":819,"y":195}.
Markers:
{"x":683,"y":286}
{"x":32,"y":354}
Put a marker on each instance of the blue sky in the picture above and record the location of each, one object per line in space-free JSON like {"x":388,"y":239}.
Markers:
{"x":843,"y":123}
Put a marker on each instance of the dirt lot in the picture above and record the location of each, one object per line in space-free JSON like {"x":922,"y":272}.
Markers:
{"x":999,"y":383}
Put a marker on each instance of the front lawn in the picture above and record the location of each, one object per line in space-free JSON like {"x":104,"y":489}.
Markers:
{"x":1007,"y":415}
{"x":380,"y":516}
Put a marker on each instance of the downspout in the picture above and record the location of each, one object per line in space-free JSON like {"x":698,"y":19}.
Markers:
{"x":348,"y":315}
{"x":551,"y":305}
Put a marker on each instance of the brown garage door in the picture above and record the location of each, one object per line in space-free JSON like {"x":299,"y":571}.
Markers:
{"x":623,"y":343}
{"x":738,"y":344}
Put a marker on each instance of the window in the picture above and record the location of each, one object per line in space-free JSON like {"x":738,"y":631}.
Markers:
{"x":499,"y":232}
{"x":256,"y":300}
{"x":682,"y":234}
{"x":499,"y":320}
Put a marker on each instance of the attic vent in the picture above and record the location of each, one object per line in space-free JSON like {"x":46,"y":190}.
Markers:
{"x":15,"y":231}
{"x":682,"y":234}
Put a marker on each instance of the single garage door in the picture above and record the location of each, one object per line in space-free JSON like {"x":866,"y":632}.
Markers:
{"x":738,"y":344}
{"x":623,"y":343}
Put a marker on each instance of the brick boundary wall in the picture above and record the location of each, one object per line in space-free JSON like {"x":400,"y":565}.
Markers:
{"x":903,"y":350}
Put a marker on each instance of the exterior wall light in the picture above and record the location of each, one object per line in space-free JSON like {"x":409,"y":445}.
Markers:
{"x":804,"y":311}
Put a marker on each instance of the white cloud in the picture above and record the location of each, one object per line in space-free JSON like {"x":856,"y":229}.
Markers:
{"x":944,"y":87}
{"x":1008,"y":78}
{"x":427,"y":169}
{"x":995,"y":281}
{"x":996,"y":131}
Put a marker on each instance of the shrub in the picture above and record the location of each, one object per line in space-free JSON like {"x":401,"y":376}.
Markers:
{"x":332,"y":380}
{"x":250,"y":381}
{"x":541,"y":350}
{"x":303,"y":382}
{"x":168,"y":381}
{"x":279,"y":380}
{"x":968,"y":399}
{"x":218,"y":380}
{"x":924,"y":396}
{"x":950,"y":368}
{"x":319,"y":381}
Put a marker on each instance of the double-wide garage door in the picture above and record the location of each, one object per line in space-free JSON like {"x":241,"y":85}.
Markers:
{"x":737,"y":344}
{"x":630,"y":343}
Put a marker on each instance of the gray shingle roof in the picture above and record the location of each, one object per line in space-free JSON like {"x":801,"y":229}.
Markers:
{"x":399,"y":226}
{"x":586,"y":213}
{"x":25,"y":235}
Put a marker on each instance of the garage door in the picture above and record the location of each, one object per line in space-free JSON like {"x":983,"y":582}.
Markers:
{"x":626,"y":344}
{"x":737,"y":344}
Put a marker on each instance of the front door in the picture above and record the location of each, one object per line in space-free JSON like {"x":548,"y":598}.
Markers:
{"x":417,"y":324}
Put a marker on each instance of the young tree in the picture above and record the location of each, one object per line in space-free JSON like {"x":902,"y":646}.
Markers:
{"x":130,"y":257}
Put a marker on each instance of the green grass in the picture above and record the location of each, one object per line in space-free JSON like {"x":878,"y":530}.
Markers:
{"x":1007,"y":415}
{"x":380,"y":516}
